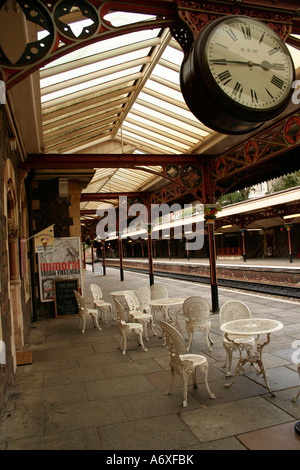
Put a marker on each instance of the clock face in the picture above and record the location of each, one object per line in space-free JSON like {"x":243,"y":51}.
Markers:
{"x":249,"y":63}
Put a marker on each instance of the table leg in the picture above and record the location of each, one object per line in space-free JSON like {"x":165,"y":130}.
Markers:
{"x":176,"y":323}
{"x":260,"y":364}
{"x":252,"y":357}
{"x":242,"y":361}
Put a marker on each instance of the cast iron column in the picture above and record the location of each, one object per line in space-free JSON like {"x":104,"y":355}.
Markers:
{"x":103,"y":257}
{"x":213,"y":267}
{"x":121,"y":259}
{"x":243,"y":245}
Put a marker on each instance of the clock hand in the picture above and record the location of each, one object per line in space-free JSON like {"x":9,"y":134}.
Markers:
{"x":226,"y":61}
{"x":264,"y":64}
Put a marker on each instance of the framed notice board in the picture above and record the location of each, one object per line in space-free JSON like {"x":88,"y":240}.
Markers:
{"x":64,"y":298}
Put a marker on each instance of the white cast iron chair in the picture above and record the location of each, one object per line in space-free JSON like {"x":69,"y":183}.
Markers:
{"x":183,"y":363}
{"x":235,"y":310}
{"x":143,"y":295}
{"x":127,"y":329}
{"x":196,"y":311}
{"x":99,"y":303}
{"x":85,"y":312}
{"x":159,"y":291}
{"x":298,"y":394}
{"x":136,"y":314}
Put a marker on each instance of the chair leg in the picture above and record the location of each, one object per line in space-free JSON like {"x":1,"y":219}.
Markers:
{"x":172,"y":370}
{"x":145,"y":329}
{"x":208,"y":340}
{"x":228,"y":359}
{"x":83,"y":324}
{"x":190,"y":333}
{"x":110,"y":311}
{"x":296,"y":397}
{"x":103,"y":314}
{"x":151,"y":324}
{"x":140,"y":340}
{"x":124,"y":343}
{"x":195,"y":385}
{"x":185,"y":383}
{"x":153,"y":313}
{"x":205,"y":370}
{"x":95,"y":320}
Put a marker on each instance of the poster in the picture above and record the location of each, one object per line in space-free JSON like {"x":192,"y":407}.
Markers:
{"x":63,"y":263}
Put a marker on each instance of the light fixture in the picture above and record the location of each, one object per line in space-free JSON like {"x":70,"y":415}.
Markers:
{"x":226,"y":226}
{"x":291,"y":216}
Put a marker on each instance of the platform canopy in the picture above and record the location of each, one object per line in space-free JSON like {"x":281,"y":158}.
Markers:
{"x":124,"y":92}
{"x":120,"y":95}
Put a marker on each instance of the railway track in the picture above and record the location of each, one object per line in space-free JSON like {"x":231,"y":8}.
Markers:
{"x":257,"y":287}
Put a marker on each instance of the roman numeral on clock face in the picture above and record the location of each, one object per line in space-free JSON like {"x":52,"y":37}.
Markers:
{"x":277,"y":81}
{"x":238,"y":89}
{"x":246,"y":32}
{"x":231,"y":34}
{"x":273,"y":51}
{"x":226,"y":75}
{"x":254,"y":96}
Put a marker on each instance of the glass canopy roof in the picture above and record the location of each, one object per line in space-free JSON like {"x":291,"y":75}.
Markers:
{"x":120,"y":95}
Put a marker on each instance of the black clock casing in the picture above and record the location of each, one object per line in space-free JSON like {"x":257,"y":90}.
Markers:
{"x":238,"y":75}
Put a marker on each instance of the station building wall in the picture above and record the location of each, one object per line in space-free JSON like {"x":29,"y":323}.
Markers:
{"x":15,"y":295}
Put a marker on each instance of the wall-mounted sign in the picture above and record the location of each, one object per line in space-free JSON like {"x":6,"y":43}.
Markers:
{"x":44,"y":240}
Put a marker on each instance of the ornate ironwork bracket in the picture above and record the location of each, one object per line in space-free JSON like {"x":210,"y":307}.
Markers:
{"x":53,"y":20}
{"x":230,"y":167}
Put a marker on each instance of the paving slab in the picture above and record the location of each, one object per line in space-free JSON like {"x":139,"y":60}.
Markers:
{"x":281,"y":437}
{"x":81,"y":439}
{"x":230,"y":419}
{"x":166,"y":432}
{"x":83,"y":415}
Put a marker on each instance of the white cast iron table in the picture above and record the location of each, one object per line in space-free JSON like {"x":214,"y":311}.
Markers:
{"x":165,"y":304}
{"x":252,"y":327}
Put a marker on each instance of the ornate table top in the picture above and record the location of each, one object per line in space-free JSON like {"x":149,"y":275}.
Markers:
{"x":121,"y":292}
{"x":167,"y":301}
{"x":251,"y":326}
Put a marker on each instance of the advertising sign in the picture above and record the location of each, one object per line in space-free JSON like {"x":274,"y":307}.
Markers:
{"x":61,"y":264}
{"x":44,"y":240}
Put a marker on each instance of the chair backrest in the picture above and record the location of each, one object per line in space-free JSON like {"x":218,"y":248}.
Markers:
{"x":132,"y":301}
{"x":174,"y":340}
{"x":195,"y":309}
{"x":143,"y":295}
{"x":159,"y":291}
{"x":120,"y":312}
{"x":234,"y":310}
{"x":80,"y":301}
{"x":96,"y":292}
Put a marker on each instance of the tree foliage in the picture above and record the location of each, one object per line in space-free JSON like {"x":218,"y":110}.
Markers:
{"x":285,"y":182}
{"x":237,"y":196}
